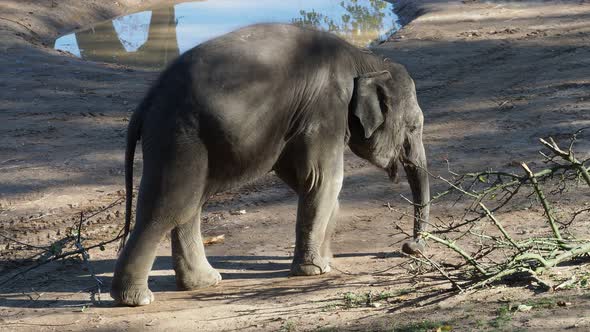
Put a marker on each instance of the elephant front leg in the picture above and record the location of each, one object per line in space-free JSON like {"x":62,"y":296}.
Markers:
{"x":316,"y":215}
{"x":326,"y":249}
{"x":190,"y":263}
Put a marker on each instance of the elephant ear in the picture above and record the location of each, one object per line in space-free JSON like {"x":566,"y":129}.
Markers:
{"x":371,"y":95}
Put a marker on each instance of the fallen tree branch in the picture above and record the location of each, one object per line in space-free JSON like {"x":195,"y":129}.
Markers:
{"x":61,"y":256}
{"x":491,"y":255}
{"x":48,"y":255}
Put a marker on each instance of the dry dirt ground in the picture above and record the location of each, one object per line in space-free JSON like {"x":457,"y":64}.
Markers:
{"x":491,"y":76}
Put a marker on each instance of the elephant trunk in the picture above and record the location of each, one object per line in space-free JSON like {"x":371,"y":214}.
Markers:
{"x":415,"y":165}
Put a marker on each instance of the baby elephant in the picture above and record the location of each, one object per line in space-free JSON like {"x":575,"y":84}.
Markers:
{"x":265,"y":97}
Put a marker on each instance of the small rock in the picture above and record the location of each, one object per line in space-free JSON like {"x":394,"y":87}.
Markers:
{"x":237,"y":212}
{"x":214,"y":240}
{"x":524,"y":308}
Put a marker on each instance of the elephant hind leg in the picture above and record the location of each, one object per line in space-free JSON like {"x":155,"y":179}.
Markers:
{"x":130,"y":281}
{"x":169,"y":197}
{"x":129,"y":286}
{"x":192,"y":269}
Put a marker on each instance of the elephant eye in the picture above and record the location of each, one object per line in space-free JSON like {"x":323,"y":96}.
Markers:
{"x":412,"y":128}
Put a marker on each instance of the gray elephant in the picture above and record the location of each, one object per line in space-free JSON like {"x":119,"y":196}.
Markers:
{"x":265,"y":97}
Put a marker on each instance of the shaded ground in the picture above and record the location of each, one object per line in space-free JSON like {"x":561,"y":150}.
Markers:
{"x":491,"y":77}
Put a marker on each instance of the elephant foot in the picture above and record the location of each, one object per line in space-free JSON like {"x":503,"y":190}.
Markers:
{"x":414,"y":248}
{"x":309,"y":270}
{"x":311,"y":267}
{"x":203,"y":278}
{"x":133,"y":296}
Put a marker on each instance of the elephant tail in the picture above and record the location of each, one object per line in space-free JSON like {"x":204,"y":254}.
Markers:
{"x":133,"y":135}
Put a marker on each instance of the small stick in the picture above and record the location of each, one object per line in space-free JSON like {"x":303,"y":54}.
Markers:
{"x":444,"y":274}
{"x":500,"y":227}
{"x":577,"y":251}
{"x":116,"y":202}
{"x":575,"y":215}
{"x":80,"y":227}
{"x":457,"y":249}
{"x":85,"y":258}
{"x":543,"y":200}
{"x":45,"y":249}
{"x":567,"y":156}
{"x":508,"y":272}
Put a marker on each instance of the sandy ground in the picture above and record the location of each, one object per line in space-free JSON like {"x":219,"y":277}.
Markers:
{"x":491,"y":76}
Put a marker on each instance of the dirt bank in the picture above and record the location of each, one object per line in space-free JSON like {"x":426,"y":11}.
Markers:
{"x":491,"y":76}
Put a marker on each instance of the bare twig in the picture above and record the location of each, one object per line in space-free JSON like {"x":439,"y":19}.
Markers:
{"x":575,"y":215}
{"x":441,"y":271}
{"x":86,"y":258}
{"x":543,"y":200}
{"x":49,"y":254}
{"x":22,"y":243}
{"x":455,"y":248}
{"x":499,"y":226}
{"x":58,"y":257}
{"x":568,"y":155}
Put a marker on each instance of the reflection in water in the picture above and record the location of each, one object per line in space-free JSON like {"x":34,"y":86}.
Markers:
{"x":362,"y":24}
{"x":151,"y":39}
{"x":132,"y":30}
{"x":104,"y":43}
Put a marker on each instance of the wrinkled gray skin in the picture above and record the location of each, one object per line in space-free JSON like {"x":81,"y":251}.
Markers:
{"x":266,"y":97}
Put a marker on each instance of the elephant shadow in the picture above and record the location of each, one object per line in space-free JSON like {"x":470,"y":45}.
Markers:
{"x":46,"y":285}
{"x":230,"y":268}
{"x":241,"y":267}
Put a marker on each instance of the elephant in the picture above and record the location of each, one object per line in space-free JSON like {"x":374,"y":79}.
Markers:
{"x":267,"y":97}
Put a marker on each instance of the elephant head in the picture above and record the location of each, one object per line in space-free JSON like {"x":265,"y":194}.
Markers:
{"x":385,"y":123}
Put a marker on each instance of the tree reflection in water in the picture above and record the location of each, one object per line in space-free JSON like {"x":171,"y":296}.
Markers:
{"x":102,"y":43}
{"x":138,"y":41}
{"x":362,"y":25}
